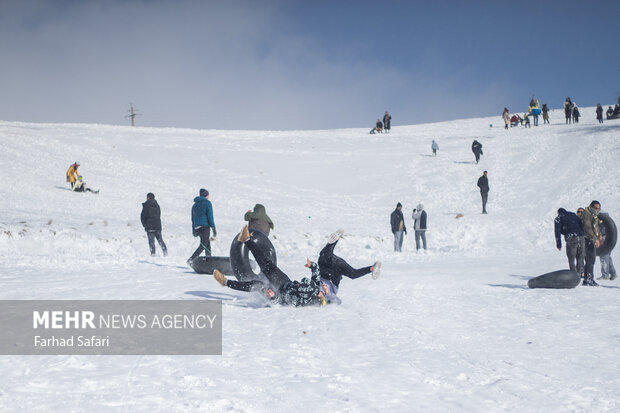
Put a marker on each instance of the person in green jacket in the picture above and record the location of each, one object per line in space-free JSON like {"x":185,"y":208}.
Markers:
{"x":259,"y":220}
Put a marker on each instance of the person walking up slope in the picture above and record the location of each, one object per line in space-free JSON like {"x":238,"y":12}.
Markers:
{"x":397,"y":221}
{"x":419,"y":225}
{"x":202,"y":222}
{"x":151,"y":221}
{"x":434,"y":147}
{"x":476,"y":148}
{"x":483,"y":184}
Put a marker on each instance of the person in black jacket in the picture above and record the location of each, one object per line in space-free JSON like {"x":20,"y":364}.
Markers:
{"x":483,"y":184}
{"x":397,"y":221}
{"x":569,"y":224}
{"x":387,"y":122}
{"x":151,"y":221}
{"x":476,"y":148}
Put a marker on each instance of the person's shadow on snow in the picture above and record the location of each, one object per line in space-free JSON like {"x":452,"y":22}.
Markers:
{"x":252,"y":301}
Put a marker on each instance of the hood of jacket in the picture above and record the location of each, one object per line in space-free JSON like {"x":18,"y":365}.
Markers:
{"x":420,"y":207}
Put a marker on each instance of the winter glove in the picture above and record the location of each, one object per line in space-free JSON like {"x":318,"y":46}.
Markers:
{"x":194,"y":232}
{"x":214,"y":232}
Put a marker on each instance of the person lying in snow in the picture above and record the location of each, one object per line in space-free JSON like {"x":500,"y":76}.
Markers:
{"x":320,"y":289}
{"x":80,"y":186}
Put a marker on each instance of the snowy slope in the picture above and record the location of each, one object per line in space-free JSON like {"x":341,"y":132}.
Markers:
{"x":451,"y":329}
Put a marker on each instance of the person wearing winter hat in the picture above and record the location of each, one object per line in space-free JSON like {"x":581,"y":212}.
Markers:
{"x":397,"y":221}
{"x":419,"y":224}
{"x":202,"y":222}
{"x":151,"y":221}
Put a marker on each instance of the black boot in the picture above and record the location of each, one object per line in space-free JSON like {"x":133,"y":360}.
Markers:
{"x":589,"y":281}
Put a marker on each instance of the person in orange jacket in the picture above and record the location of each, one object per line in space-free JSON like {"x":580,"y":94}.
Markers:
{"x":72,"y":173}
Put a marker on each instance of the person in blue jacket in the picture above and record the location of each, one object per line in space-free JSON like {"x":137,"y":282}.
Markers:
{"x":202,"y":222}
{"x":568,"y":224}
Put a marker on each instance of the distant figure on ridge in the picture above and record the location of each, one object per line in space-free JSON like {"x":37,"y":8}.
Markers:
{"x":434,"y":147}
{"x":568,"y":110}
{"x":599,"y":112}
{"x":387,"y":120}
{"x":576,"y":113}
{"x":545,"y":113}
{"x":506,"y":117}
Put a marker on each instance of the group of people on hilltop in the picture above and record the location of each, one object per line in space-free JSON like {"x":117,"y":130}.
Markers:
{"x":571,"y":114}
{"x":383,"y":127}
{"x":583,"y":235}
{"x":571,"y":111}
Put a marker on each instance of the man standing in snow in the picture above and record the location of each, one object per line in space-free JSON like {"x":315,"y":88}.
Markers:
{"x":202,"y":222}
{"x":419,"y":224}
{"x":589,"y":224}
{"x":608,"y":271}
{"x":569,"y":224}
{"x":387,"y":122}
{"x":483,"y":184}
{"x":398,"y":227}
{"x":506,"y":117}
{"x":151,"y":221}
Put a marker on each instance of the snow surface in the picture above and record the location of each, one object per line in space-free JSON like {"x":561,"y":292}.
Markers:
{"x":454,"y":328}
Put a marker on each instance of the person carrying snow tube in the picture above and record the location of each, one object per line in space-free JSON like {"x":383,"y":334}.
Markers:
{"x":476,"y":148}
{"x":279,"y":287}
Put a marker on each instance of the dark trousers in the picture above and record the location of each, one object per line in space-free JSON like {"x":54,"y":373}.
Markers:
{"x":477,"y":155}
{"x":485,"y":196}
{"x":334,"y":267}
{"x":205,"y":244}
{"x":574,"y":252}
{"x":590,"y":255}
{"x":261,"y":254}
{"x":152,"y":236}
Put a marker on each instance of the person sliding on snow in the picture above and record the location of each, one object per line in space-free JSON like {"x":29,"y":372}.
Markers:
{"x":332,"y":267}
{"x":72,"y":173}
{"x":80,"y":186}
{"x":320,"y":289}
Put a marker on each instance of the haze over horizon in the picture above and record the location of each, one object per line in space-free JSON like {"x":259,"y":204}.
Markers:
{"x":300,"y":65}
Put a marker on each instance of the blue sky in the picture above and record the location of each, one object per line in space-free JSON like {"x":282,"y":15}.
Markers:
{"x":301,"y":64}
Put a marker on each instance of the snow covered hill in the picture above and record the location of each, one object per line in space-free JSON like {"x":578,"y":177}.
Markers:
{"x":450,"y":329}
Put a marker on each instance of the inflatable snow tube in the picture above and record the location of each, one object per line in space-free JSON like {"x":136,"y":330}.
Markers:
{"x":242,"y":267}
{"x":535,"y":111}
{"x":607,"y":226}
{"x":556,"y":279}
{"x":206,"y":265}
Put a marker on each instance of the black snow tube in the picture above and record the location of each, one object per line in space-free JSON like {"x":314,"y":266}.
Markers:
{"x":206,"y":265}
{"x":607,"y":226}
{"x":242,"y":267}
{"x":556,"y":279}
